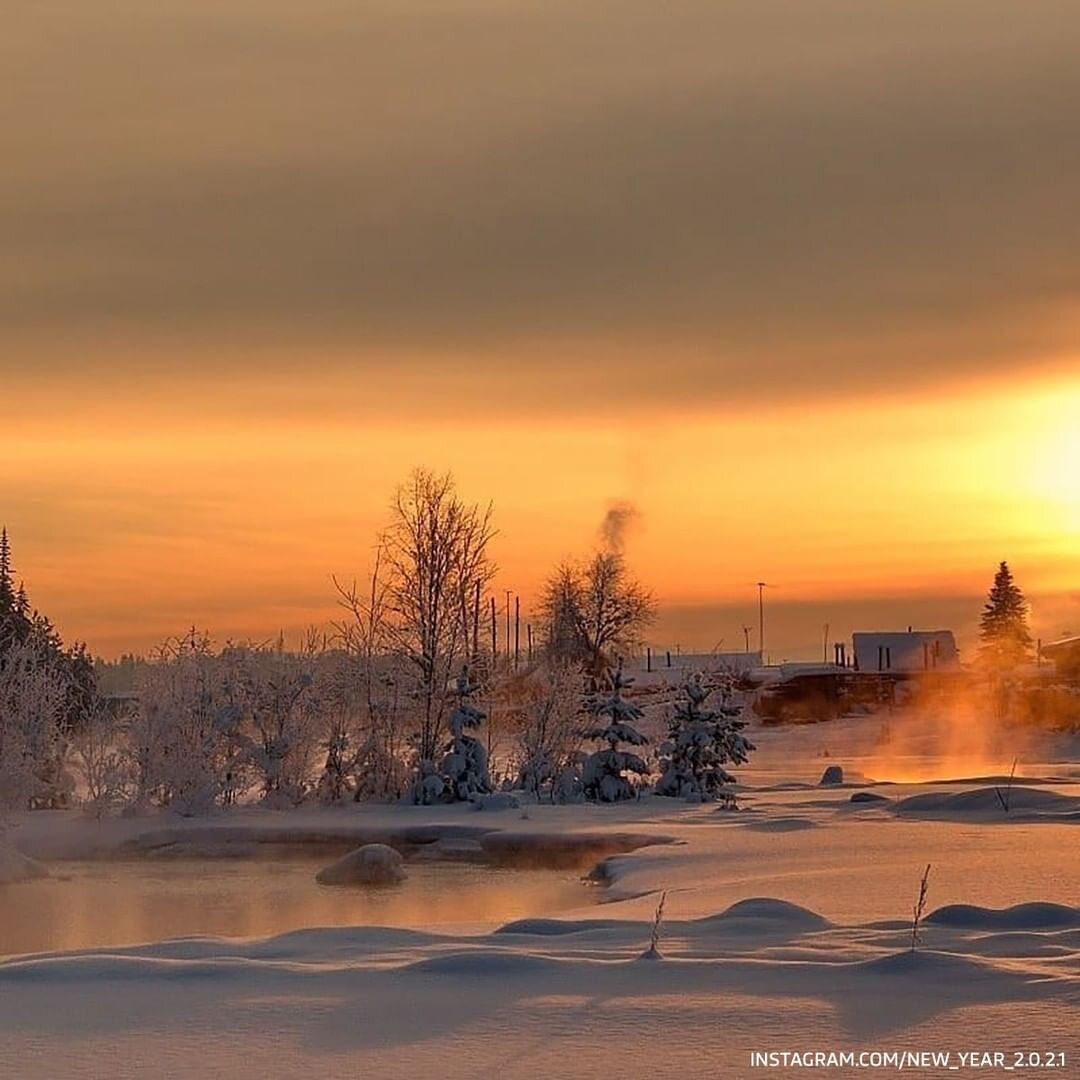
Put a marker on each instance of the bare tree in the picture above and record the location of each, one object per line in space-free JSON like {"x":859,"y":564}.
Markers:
{"x":436,"y":554}
{"x":594,"y":611}
{"x":549,"y":734}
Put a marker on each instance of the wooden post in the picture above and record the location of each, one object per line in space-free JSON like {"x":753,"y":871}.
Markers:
{"x":648,"y":658}
{"x":476,"y":622}
{"x":508,"y":627}
{"x":528,"y":634}
{"x":669,"y":658}
{"x":517,"y":630}
{"x":494,"y":634}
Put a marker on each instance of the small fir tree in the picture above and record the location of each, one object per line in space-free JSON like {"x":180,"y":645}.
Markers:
{"x":1005,"y":640}
{"x":465,"y":767}
{"x":701,"y":741}
{"x":604,"y":777}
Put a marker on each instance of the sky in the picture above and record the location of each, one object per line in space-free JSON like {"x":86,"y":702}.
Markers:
{"x":798,"y":281}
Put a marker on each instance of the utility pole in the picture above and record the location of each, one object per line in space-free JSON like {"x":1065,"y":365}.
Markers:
{"x":746,"y":637}
{"x":494,"y":635}
{"x":761,"y":587}
{"x":507,"y":627}
{"x":517,"y":630}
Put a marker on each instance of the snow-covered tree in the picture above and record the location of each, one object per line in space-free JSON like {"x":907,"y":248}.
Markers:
{"x":98,"y":753}
{"x":590,"y":611}
{"x":279,"y":708}
{"x":604,"y":776}
{"x":186,"y":739}
{"x":437,"y":567}
{"x":701,"y":741}
{"x":21,"y":624}
{"x":465,"y":766}
{"x":33,"y":741}
{"x":1004,"y":637}
{"x":549,"y":734}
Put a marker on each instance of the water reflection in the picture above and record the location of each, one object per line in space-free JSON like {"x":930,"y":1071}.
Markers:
{"x":92,"y":904}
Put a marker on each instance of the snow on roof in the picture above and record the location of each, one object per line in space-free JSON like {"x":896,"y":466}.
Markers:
{"x":1062,"y":644}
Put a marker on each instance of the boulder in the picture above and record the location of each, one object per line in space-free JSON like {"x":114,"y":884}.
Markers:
{"x":372,"y":864}
{"x":832,"y":776}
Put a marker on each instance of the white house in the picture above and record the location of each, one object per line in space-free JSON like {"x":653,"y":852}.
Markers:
{"x":905,"y":651}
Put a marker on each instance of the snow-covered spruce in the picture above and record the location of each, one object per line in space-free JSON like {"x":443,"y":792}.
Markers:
{"x":604,"y":777}
{"x":465,"y":767}
{"x":701,"y":741}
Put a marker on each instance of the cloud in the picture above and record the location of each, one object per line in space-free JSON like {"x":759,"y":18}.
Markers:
{"x":623,"y":202}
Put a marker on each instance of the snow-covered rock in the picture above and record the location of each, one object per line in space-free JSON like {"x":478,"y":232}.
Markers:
{"x":372,"y":864}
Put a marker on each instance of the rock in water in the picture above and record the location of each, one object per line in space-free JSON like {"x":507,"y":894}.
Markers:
{"x":832,"y":775}
{"x":372,"y":864}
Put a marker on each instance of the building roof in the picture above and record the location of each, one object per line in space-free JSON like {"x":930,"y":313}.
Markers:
{"x":1066,"y":644}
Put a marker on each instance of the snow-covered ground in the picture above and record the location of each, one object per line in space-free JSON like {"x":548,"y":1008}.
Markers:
{"x":787,"y":927}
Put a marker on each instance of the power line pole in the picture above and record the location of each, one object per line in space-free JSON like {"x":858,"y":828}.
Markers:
{"x":761,"y":618}
{"x":507,"y":627}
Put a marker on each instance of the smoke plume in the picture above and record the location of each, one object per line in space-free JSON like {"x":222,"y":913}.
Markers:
{"x":617,"y":522}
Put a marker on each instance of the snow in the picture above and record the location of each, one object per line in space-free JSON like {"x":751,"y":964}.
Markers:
{"x":15,"y":866}
{"x":786,"y":927}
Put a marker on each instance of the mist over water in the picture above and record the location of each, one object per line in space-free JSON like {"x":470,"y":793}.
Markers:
{"x":94,"y":904}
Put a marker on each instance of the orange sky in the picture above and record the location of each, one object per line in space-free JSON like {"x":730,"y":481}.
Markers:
{"x":141,"y":514}
{"x":800,"y":281}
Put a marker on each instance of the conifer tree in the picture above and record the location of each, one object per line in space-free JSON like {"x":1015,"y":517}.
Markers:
{"x":701,"y":741}
{"x":465,"y":766}
{"x":1005,"y":640}
{"x":604,"y":777}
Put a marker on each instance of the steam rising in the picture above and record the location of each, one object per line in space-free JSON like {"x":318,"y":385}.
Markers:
{"x":619,"y":519}
{"x":967,"y":730}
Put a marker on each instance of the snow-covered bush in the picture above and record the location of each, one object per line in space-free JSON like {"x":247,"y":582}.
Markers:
{"x":363,"y":737}
{"x":99,"y":758}
{"x":186,"y":743}
{"x":604,"y":776}
{"x":33,"y":743}
{"x":701,"y":741}
{"x":549,"y":734}
{"x":465,"y":766}
{"x":274,"y":693}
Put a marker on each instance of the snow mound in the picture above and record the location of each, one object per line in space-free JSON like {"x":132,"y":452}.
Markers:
{"x":766,"y":910}
{"x":868,"y":797}
{"x":782,"y":825}
{"x":1033,"y":916}
{"x":988,"y":800}
{"x":559,"y":927}
{"x":938,"y":966}
{"x":372,"y":864}
{"x":485,"y":963}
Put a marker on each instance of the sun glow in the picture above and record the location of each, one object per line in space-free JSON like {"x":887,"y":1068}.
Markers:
{"x":160,"y":514}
